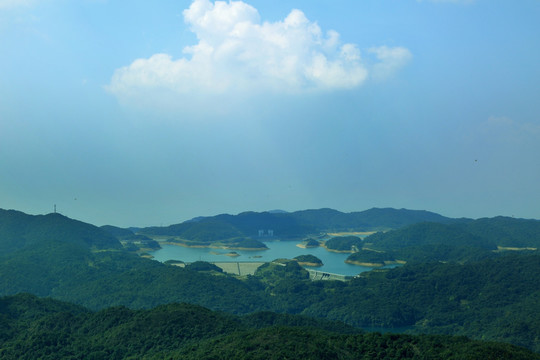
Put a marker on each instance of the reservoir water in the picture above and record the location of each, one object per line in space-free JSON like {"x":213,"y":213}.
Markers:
{"x":333,"y":262}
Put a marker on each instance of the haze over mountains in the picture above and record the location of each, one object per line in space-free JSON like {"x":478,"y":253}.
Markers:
{"x":299,"y":223}
{"x":477,"y":278}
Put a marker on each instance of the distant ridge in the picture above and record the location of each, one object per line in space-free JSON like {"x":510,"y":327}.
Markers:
{"x":277,"y":211}
{"x":281,"y":224}
{"x":367,"y":220}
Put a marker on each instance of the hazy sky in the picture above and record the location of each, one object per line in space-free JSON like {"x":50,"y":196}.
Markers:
{"x":137,"y":113}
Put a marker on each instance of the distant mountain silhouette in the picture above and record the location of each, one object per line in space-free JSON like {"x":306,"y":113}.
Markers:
{"x":280,"y":224}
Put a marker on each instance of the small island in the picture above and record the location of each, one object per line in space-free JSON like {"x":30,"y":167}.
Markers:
{"x":371,"y":258}
{"x":309,"y":243}
{"x":344,"y":244}
{"x":308,"y":260}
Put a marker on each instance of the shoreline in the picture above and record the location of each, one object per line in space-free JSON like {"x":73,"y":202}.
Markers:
{"x":223,"y":247}
{"x":337,"y":251}
{"x":351,"y":233}
{"x":376,"y":264}
{"x":364,"y":264}
{"x":302,"y":246}
{"x":310,"y":264}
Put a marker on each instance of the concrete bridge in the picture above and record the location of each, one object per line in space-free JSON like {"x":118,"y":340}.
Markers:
{"x":239,"y":267}
{"x":321,"y":275}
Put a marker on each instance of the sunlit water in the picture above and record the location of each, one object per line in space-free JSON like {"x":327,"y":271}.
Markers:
{"x":333,"y":262}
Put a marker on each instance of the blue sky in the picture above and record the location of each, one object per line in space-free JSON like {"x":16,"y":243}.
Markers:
{"x":138,"y":113}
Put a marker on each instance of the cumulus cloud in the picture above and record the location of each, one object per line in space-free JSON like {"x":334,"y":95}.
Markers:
{"x":238,"y":52}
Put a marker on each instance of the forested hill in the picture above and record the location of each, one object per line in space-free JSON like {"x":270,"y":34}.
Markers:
{"x":493,"y":299}
{"x":19,"y":230}
{"x":34,"y":328}
{"x":296,"y":224}
{"x":460,"y":241}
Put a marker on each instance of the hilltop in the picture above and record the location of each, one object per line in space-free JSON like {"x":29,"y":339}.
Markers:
{"x":19,"y":230}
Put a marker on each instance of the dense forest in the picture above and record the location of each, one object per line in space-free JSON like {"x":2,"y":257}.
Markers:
{"x":489,"y":298}
{"x":34,"y":328}
{"x":460,"y":241}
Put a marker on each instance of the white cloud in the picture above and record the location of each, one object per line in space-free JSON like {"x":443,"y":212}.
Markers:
{"x":238,"y":52}
{"x":390,"y":60}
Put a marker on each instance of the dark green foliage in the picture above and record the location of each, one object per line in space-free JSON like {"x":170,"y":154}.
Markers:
{"x":507,"y":232}
{"x":19,"y":230}
{"x":117,"y":231}
{"x":461,"y":241}
{"x":48,"y":329}
{"x":477,"y":236}
{"x":312,"y":259}
{"x":432,"y":242}
{"x":309,"y":243}
{"x":276,"y":272}
{"x":137,"y":242}
{"x":247,"y":243}
{"x":103,"y":279}
{"x":173,"y":262}
{"x":203,"y":266}
{"x":344,"y":243}
{"x":309,"y":343}
{"x":59,"y":330}
{"x":266,"y":319}
{"x":493,"y":299}
{"x":372,"y":257}
{"x":479,"y":299}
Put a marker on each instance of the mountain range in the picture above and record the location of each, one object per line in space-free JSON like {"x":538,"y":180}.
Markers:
{"x":492,"y":297}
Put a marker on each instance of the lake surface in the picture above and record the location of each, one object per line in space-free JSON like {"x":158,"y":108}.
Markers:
{"x":333,"y":262}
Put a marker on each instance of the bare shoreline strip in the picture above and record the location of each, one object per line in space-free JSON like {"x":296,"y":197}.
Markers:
{"x":213,"y":246}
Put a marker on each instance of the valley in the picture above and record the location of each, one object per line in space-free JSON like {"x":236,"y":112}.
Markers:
{"x":454,"y":283}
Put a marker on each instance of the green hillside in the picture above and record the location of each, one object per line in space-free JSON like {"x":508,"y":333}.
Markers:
{"x":344,"y":243}
{"x":491,"y":299}
{"x":35,"y":328}
{"x":507,"y":232}
{"x":461,"y":241}
{"x":19,"y":230}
